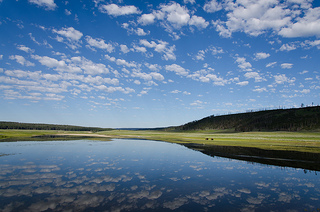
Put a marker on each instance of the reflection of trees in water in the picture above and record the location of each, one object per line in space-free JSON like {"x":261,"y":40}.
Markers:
{"x":293,"y":159}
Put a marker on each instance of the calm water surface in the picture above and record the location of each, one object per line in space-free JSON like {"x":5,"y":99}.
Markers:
{"x":141,"y":175}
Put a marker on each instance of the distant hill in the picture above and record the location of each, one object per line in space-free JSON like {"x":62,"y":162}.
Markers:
{"x":32,"y":126}
{"x":295,"y":119}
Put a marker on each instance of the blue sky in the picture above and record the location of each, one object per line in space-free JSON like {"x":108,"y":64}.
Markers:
{"x":155,"y":63}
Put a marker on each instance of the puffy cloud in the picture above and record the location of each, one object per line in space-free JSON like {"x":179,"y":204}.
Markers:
{"x":146,"y":19}
{"x":292,"y":18}
{"x":243,"y":64}
{"x":160,"y":47}
{"x":261,"y":55}
{"x":282,"y":78}
{"x":288,"y":47}
{"x":50,"y":62}
{"x":21,"y":60}
{"x":177,"y":69}
{"x":199,"y":22}
{"x":99,"y":43}
{"x":212,"y":6}
{"x":254,"y":17}
{"x":112,"y":89}
{"x":243,"y":83}
{"x":69,"y":33}
{"x":47,"y":4}
{"x":124,"y":48}
{"x":286,"y":65}
{"x":115,"y":10}
{"x":173,"y":17}
{"x":255,"y":75}
{"x":309,"y":25}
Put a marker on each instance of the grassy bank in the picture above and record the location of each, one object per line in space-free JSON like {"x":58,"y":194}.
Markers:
{"x":290,"y":141}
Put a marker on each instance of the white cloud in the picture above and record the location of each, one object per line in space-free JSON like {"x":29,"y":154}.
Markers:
{"x":100,"y":44}
{"x":196,"y":103}
{"x":160,"y":47}
{"x":115,"y":10}
{"x":146,"y":19}
{"x":112,"y":89}
{"x":189,"y":1}
{"x":243,"y":64}
{"x":212,"y":6}
{"x":255,"y":75}
{"x":69,"y":33}
{"x":253,"y":17}
{"x":140,"y":32}
{"x":305,"y":91}
{"x":260,"y":90}
{"x":261,"y":55}
{"x":67,"y":12}
{"x":177,"y":69}
{"x":288,"y":47}
{"x":173,"y":16}
{"x":47,"y":4}
{"x":124,"y":48}
{"x":24,"y":48}
{"x":121,"y":62}
{"x":21,"y":60}
{"x":309,"y":25}
{"x":199,"y":22}
{"x":286,"y":65}
{"x":282,"y":78}
{"x":271,"y":64}
{"x":243,"y":83}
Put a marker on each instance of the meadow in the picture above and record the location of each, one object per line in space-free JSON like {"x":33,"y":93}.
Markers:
{"x":279,"y":140}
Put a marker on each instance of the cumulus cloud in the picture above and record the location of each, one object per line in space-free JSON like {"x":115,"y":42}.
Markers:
{"x":20,"y":59}
{"x":100,"y":44}
{"x":243,"y":64}
{"x":282,"y":78}
{"x":288,"y":19}
{"x":177,"y":69}
{"x":309,"y":25}
{"x":115,"y":10}
{"x":46,"y":4}
{"x":69,"y":33}
{"x":288,"y":47}
{"x":212,"y":6}
{"x":261,"y":55}
{"x":173,"y":16}
{"x":255,"y":75}
{"x":160,"y":47}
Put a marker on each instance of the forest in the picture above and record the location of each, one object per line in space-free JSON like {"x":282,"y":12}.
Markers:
{"x":294,"y":119}
{"x":34,"y":126}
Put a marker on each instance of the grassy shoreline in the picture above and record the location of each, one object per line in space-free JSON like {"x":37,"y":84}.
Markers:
{"x":285,"y":141}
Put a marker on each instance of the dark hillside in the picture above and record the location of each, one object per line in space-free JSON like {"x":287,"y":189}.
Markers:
{"x":31,"y":126}
{"x":296,"y":119}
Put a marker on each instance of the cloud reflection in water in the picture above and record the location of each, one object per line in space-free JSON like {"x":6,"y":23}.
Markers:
{"x":128,"y":175}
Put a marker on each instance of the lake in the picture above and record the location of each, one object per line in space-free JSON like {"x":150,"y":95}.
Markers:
{"x":144,"y":175}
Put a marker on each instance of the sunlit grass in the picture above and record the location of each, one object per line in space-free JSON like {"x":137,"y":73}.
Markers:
{"x":293,"y":141}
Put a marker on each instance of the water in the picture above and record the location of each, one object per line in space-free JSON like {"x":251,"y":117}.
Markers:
{"x":141,"y":175}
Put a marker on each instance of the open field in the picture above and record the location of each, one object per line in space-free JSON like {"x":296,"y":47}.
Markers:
{"x":290,"y":141}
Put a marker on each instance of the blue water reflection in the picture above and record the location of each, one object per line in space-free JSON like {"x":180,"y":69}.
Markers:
{"x":137,"y":175}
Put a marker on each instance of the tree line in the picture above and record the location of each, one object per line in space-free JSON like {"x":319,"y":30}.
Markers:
{"x":32,"y":126}
{"x":295,"y":119}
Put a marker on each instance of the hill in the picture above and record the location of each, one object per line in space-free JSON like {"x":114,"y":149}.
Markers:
{"x":32,"y":126}
{"x":295,"y":119}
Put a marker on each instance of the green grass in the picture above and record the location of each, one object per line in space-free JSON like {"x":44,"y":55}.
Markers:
{"x":291,"y":141}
